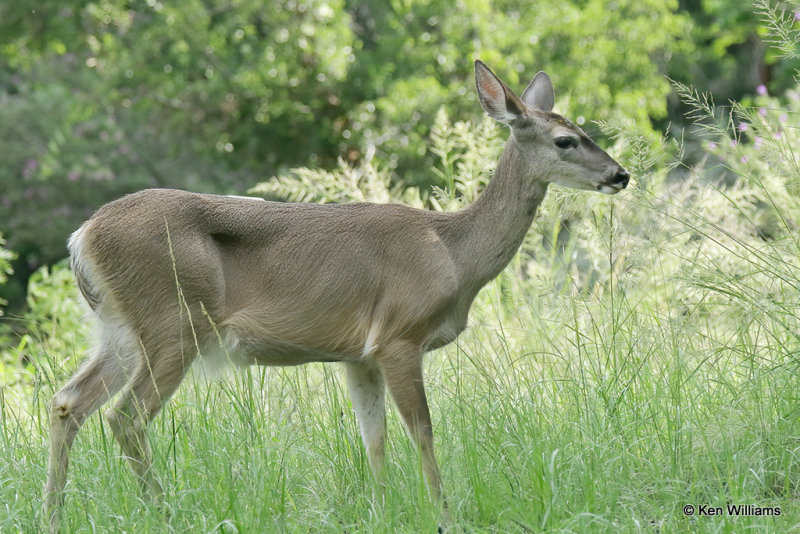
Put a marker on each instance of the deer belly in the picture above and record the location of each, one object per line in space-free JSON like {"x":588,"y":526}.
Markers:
{"x":279,"y":353}
{"x":269,"y":337}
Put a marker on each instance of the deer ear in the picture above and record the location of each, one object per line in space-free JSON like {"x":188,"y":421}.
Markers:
{"x":496,"y":98}
{"x":539,"y":94}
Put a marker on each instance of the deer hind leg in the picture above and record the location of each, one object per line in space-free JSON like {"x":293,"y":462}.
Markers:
{"x":94,"y":383}
{"x":402,"y":368}
{"x":367,"y":392}
{"x":151,"y":386}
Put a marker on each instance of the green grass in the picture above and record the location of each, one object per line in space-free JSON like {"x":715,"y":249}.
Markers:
{"x":595,"y":414}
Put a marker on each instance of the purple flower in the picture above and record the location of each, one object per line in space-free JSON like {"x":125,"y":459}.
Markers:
{"x":734,"y":143}
{"x":742,"y":127}
{"x":761,"y":89}
{"x":29,"y":168}
{"x":73,"y":176}
{"x":62,"y":211}
{"x":757,"y":142}
{"x":783,"y":117}
{"x":712,"y":145}
{"x":778,"y":135}
{"x":762,"y":112}
{"x":797,"y":15}
{"x":744,"y":159}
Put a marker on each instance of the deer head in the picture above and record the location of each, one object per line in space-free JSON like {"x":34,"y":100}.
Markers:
{"x":556,"y":150}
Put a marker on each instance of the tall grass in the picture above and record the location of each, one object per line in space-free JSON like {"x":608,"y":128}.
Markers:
{"x":563,"y":410}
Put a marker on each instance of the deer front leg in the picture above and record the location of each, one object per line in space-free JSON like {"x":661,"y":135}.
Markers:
{"x":402,"y":369}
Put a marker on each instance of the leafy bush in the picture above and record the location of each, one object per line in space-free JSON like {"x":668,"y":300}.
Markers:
{"x":6,"y":257}
{"x":54,"y":334}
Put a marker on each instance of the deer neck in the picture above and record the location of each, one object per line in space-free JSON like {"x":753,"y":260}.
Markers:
{"x":493,"y":227}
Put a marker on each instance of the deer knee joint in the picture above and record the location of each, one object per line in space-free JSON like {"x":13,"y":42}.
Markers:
{"x":62,"y":405}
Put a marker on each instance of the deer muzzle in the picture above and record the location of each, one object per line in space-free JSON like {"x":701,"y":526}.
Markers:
{"x":616,"y":182}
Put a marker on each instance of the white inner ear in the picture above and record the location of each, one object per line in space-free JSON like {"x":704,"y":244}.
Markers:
{"x":539,"y":94}
{"x":505,"y":116}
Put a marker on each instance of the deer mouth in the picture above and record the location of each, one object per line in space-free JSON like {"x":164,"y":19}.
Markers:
{"x":608,"y":189}
{"x":615,"y":183}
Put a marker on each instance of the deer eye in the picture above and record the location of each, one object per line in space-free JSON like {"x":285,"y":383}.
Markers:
{"x":566,"y":142}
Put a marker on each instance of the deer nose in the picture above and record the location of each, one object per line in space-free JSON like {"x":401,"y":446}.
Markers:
{"x":621,"y":178}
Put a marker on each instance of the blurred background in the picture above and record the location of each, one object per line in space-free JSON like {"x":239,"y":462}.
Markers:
{"x":99,"y":99}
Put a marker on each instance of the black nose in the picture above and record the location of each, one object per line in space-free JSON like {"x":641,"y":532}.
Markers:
{"x":621,"y":178}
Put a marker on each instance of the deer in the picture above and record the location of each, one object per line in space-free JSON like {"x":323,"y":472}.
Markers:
{"x":170,"y":273}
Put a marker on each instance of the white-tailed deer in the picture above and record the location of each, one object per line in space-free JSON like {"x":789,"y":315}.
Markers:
{"x":170,"y":274}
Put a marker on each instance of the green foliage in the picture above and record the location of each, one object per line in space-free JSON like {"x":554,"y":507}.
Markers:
{"x":752,"y":216}
{"x":780,"y":27}
{"x":728,"y":55}
{"x":463,"y":150}
{"x":417,"y":61}
{"x":54,"y":307}
{"x":6,"y":257}
{"x":362,"y":183}
{"x":46,"y":347}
